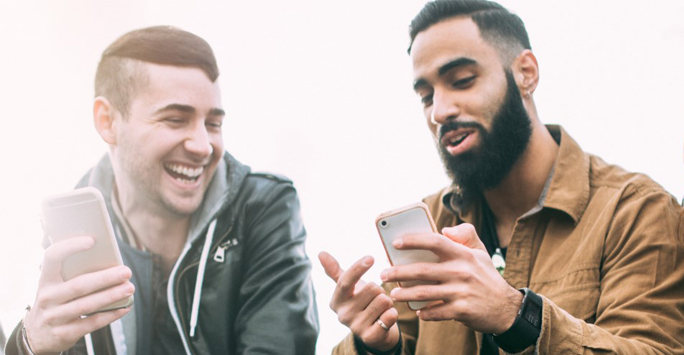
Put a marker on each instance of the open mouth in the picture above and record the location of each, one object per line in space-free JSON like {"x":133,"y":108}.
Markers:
{"x":457,"y":139}
{"x":183,"y":173}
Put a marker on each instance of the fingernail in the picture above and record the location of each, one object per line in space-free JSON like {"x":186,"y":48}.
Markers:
{"x":367,"y":261}
{"x":392,"y":293}
{"x":383,"y":275}
{"x":124,"y":273}
{"x":397,"y":242}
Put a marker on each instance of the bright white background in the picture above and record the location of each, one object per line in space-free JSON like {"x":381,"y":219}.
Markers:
{"x":320,"y":91}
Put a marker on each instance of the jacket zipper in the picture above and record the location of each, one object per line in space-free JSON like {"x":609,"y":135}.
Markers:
{"x":220,"y":255}
{"x":173,"y":303}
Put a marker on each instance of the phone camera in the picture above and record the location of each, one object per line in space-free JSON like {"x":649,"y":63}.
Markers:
{"x":383,"y":223}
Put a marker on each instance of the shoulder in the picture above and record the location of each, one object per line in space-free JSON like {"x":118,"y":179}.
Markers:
{"x":608,"y":181}
{"x":264,"y":184}
{"x":441,"y":215}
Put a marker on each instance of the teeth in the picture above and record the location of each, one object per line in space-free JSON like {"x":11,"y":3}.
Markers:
{"x":191,"y":173}
{"x":458,"y":139}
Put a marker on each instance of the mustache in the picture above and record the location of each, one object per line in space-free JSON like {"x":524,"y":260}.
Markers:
{"x":454,"y":125}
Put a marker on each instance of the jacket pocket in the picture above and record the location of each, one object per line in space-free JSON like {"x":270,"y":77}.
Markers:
{"x":576,"y":291}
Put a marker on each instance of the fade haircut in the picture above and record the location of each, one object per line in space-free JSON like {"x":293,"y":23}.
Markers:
{"x":498,"y":26}
{"x":120,"y":74}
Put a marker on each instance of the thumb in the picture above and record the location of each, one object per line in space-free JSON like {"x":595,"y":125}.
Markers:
{"x":464,"y":234}
{"x":330,"y":265}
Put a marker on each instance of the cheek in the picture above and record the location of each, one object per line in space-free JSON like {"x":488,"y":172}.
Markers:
{"x":217,"y":144}
{"x":432,"y":126}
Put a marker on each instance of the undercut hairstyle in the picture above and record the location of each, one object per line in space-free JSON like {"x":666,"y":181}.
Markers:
{"x":120,"y":74}
{"x":498,"y":26}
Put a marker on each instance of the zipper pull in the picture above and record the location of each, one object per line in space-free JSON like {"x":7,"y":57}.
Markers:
{"x":220,"y":255}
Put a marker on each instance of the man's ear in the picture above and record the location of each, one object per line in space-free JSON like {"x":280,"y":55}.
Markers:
{"x":104,"y":118}
{"x":526,"y":71}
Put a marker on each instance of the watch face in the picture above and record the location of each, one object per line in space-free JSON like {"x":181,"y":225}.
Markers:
{"x":532,"y":314}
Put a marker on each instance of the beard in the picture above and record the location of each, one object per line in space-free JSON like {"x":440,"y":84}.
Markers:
{"x":485,"y":166}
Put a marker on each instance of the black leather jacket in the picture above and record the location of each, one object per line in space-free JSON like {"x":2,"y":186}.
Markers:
{"x":257,"y":295}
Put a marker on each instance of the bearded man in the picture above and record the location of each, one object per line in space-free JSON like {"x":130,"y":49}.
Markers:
{"x":593,"y":260}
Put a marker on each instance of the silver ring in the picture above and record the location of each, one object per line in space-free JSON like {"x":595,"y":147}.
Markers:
{"x":382,"y":325}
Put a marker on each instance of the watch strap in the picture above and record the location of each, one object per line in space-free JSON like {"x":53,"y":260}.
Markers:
{"x":526,"y":327}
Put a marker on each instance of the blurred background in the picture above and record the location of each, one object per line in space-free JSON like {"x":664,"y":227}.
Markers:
{"x":320,"y":91}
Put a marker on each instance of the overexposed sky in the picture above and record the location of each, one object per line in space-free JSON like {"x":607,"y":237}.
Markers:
{"x":320,"y":91}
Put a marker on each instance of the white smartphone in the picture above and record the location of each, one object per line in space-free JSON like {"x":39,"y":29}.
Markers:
{"x":78,"y":213}
{"x":411,"y":219}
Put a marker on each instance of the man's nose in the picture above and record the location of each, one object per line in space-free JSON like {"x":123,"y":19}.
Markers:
{"x":198,"y":141}
{"x":443,"y":109}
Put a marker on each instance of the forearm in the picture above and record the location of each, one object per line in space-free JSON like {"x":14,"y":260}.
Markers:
{"x":564,"y":334}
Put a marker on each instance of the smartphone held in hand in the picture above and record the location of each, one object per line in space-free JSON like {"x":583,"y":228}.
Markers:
{"x":78,"y":213}
{"x":411,"y":219}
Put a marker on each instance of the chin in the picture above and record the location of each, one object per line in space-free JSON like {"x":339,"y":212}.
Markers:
{"x":184,"y":207}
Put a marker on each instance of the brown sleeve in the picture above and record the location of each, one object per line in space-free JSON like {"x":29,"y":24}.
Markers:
{"x":641,"y":305}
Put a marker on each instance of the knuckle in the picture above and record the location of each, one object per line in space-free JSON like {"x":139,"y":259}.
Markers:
{"x":49,"y":316}
{"x":344,"y":318}
{"x":372,"y":288}
{"x":385,"y":301}
{"x":392,"y":314}
{"x":344,"y":283}
{"x":468,"y":228}
{"x":420,"y":293}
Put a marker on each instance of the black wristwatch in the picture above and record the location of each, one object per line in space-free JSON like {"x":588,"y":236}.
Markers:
{"x":526,"y":327}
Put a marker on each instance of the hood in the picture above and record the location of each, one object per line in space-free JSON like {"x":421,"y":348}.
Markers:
{"x":222,"y":190}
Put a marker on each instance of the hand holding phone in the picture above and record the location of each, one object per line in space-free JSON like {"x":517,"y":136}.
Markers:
{"x":77,"y":213}
{"x":411,"y":219}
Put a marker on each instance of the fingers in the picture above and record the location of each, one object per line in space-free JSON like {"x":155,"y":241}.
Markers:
{"x":428,"y":272}
{"x":55,"y":254}
{"x":366,"y":326}
{"x":464,"y":234}
{"x":330,"y":265}
{"x":86,"y":284}
{"x":59,"y":338}
{"x":442,"y":311}
{"x":382,"y":308}
{"x":444,"y":247}
{"x":421,"y":293}
{"x":355,"y":309}
{"x":96,"y":301}
{"x":346,"y":282}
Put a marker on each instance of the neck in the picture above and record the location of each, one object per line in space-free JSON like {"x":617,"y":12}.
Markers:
{"x":520,"y":190}
{"x":161,"y":232}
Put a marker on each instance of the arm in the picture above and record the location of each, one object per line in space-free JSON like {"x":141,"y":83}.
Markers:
{"x":641,"y":305}
{"x":278,"y":311}
{"x":640,"y":309}
{"x":54,"y":323}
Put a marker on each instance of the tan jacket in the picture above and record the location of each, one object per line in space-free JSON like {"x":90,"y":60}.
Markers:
{"x":604,"y":253}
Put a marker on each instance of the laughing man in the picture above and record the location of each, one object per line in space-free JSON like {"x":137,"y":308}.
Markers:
{"x":214,"y":252}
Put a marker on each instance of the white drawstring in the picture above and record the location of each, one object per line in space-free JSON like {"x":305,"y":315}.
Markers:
{"x":89,"y":344}
{"x":194,"y":316}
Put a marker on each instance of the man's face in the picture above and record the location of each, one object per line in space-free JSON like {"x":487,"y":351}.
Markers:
{"x":168,"y":148}
{"x":473,"y":106}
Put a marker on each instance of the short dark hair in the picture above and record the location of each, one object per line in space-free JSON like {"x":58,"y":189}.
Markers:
{"x":498,"y":26}
{"x":119,"y":75}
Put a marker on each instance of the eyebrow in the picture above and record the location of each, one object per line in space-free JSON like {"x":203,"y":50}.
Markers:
{"x":458,"y":62}
{"x":189,"y":109}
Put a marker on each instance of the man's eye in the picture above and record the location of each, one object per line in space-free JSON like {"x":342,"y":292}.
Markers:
{"x":174,"y":120}
{"x":214,"y":124}
{"x":426,"y":100}
{"x":463,"y":82}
